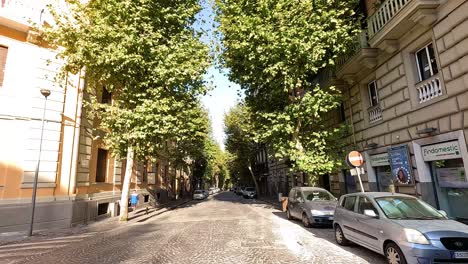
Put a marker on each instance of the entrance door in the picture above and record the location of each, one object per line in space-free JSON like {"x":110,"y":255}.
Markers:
{"x":451,"y":187}
{"x":350,"y":183}
{"x":325,"y":182}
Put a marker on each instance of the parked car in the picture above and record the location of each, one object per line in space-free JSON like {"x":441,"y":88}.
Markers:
{"x":205,"y":193}
{"x":198,"y":195}
{"x":240,"y":190}
{"x":313,"y":205}
{"x":250,"y":192}
{"x":211,"y":190}
{"x":403,"y":228}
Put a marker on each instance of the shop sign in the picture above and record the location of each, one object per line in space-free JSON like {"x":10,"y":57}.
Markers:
{"x":400,"y":164}
{"x":442,"y":151}
{"x":379,"y":160}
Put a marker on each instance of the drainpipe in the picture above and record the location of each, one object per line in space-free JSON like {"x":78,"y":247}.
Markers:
{"x":351,"y":116}
{"x":76,"y":138}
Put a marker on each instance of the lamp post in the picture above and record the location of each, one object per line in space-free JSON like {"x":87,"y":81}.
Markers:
{"x":45,"y":93}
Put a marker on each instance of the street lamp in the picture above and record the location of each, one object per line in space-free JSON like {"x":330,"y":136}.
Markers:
{"x":45,"y":93}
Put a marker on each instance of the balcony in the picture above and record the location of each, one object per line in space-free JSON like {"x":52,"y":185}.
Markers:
{"x":393,"y":18}
{"x":429,"y":89}
{"x":359,"y":55}
{"x":375,"y":114}
{"x":19,"y":14}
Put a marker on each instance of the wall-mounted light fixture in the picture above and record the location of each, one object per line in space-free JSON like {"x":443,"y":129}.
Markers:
{"x":372,"y":145}
{"x":429,"y":130}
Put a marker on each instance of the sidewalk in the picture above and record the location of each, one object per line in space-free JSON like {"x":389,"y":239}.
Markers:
{"x":99,"y":226}
{"x":273,"y":200}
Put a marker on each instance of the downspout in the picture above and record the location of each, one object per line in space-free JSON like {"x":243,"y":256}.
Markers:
{"x":76,"y":138}
{"x":351,"y":116}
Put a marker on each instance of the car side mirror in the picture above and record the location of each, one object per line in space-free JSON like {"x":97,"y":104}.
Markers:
{"x":370,"y":213}
{"x":443,"y":213}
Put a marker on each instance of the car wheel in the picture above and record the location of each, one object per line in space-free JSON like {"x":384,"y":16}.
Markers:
{"x":394,"y":254}
{"x":339,"y":237}
{"x":288,"y":215}
{"x":305,"y":220}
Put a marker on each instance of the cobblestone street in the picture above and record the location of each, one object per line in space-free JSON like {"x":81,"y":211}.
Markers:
{"x":223,"y":229}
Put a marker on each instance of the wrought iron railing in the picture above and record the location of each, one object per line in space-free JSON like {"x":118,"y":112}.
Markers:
{"x":359,"y":43}
{"x":375,"y":114}
{"x":23,"y":11}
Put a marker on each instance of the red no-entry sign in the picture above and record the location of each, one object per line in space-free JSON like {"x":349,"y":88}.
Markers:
{"x":355,"y":159}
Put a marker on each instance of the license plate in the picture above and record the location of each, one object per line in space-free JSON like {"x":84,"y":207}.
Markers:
{"x":460,"y":255}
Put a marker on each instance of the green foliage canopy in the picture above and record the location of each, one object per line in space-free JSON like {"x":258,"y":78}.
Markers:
{"x":147,"y":54}
{"x":275,"y":49}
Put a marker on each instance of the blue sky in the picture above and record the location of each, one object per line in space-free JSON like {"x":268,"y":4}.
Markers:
{"x":224,"y":94}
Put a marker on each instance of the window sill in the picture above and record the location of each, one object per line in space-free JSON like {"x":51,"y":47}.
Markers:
{"x":101,"y":183}
{"x":39,"y":185}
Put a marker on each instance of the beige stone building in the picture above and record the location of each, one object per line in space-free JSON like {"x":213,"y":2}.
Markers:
{"x":78,"y":179}
{"x":406,"y":100}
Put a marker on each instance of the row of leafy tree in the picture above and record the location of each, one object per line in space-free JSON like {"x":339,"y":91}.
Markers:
{"x":148,"y":55}
{"x":274,"y":49}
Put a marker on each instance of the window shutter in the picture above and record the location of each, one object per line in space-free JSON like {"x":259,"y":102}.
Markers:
{"x":3,"y":55}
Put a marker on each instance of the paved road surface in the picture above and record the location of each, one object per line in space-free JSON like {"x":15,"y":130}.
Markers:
{"x":223,"y":229}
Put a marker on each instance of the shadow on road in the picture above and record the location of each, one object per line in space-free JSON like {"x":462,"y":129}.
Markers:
{"x":153,"y":212}
{"x":227,"y":196}
{"x":327,"y":233}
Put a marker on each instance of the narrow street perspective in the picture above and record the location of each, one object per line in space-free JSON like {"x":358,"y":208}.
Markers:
{"x":234,"y":131}
{"x":226,"y":228}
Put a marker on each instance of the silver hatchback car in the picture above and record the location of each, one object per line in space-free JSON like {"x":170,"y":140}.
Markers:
{"x":401,"y":227}
{"x":313,"y":205}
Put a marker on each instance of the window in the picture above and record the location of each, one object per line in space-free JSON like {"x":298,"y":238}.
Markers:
{"x":426,"y":62}
{"x":106,"y":97}
{"x":365,"y":204}
{"x":103,"y":208}
{"x":318,"y":196}
{"x":292,"y":194}
{"x":298,"y":196}
{"x":342,"y":112}
{"x":349,"y":202}
{"x":401,"y":207}
{"x":101,"y":167}
{"x":373,"y":96}
{"x":3,"y":55}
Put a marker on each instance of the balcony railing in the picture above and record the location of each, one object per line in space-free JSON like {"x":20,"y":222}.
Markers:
{"x":23,"y":11}
{"x":359,"y":43}
{"x":429,"y":89}
{"x":387,"y":10}
{"x":375,"y":114}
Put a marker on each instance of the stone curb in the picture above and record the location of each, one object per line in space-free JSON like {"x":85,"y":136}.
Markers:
{"x":277,"y":205}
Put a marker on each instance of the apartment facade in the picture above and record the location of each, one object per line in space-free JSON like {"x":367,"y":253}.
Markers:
{"x":406,"y":100}
{"x":78,"y":179}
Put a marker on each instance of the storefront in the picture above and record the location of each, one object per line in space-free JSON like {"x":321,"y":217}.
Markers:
{"x":443,"y":162}
{"x":380,"y":167}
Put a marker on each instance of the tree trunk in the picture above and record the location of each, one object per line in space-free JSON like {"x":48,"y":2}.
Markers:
{"x":254,"y":179}
{"x":126,"y":185}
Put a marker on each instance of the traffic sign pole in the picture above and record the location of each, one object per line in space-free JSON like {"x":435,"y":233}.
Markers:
{"x":355,"y":160}
{"x":358,"y":170}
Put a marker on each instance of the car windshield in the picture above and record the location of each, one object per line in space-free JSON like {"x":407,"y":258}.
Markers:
{"x":197,"y":192}
{"x":318,"y":195}
{"x":407,"y":208}
{"x":250,"y":189}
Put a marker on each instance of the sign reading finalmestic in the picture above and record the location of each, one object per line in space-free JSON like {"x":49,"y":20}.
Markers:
{"x":442,"y":151}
